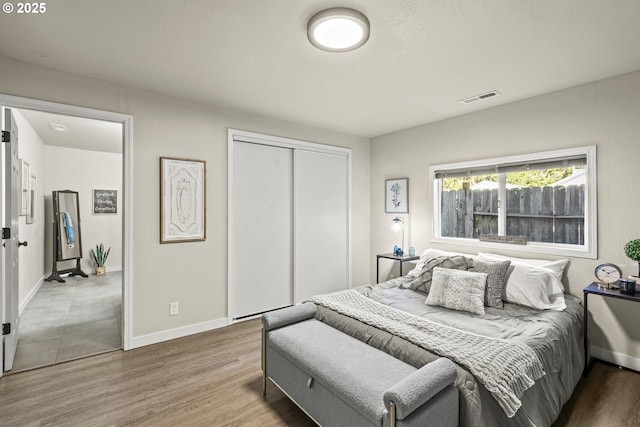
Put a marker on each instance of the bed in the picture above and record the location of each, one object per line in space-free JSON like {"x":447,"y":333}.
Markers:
{"x":526,"y":324}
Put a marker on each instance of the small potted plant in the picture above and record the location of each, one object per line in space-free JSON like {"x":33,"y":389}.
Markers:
{"x":632,"y":250}
{"x":99,"y":256}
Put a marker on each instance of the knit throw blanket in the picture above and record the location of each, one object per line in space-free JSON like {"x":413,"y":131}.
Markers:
{"x":506,"y":368}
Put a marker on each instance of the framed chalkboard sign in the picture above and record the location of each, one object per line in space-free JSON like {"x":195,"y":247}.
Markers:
{"x":105,"y":201}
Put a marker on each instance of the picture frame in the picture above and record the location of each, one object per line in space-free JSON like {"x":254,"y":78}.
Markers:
{"x":31,"y":215}
{"x":25,"y":195}
{"x":182,"y":200}
{"x":396,"y":195}
{"x":105,"y":201}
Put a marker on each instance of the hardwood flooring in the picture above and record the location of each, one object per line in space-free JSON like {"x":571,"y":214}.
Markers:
{"x":214,"y":379}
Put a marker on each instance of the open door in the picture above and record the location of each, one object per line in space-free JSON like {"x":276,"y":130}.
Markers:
{"x":9,"y":304}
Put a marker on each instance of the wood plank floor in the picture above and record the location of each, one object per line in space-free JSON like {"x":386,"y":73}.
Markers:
{"x":214,"y":379}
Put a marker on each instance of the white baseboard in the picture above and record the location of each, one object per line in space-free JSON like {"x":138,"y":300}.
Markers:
{"x":171,"y":334}
{"x":616,"y":358}
{"x":30,"y":296}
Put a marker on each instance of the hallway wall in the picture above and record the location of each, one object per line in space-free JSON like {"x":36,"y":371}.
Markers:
{"x":83,"y":171}
{"x":32,"y":269}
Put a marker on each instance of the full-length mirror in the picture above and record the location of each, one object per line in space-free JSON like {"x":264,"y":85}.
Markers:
{"x":67,"y":215}
{"x":67,"y":237}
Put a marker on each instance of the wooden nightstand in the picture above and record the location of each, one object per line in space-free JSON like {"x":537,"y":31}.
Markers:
{"x":401,"y":259}
{"x":604,"y":292}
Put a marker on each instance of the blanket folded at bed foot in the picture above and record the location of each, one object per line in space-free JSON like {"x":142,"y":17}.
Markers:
{"x":506,"y":368}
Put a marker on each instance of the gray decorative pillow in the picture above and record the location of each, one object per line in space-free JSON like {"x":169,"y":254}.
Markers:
{"x":496,"y":280}
{"x":457,"y":290}
{"x":421,"y":281}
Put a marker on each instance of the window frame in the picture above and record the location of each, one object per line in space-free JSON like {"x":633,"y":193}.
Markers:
{"x":588,"y":250}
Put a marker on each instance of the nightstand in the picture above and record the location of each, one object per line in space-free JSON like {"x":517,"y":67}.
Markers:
{"x":401,"y":259}
{"x":604,"y":292}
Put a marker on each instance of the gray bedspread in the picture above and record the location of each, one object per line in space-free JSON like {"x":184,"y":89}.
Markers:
{"x":556,"y":337}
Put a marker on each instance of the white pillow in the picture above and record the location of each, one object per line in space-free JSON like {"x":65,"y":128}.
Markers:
{"x":557,"y":266}
{"x":457,"y":290}
{"x":531,"y":286}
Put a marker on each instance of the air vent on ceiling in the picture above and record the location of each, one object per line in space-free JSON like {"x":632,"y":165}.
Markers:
{"x":58,"y":127}
{"x":481,"y":97}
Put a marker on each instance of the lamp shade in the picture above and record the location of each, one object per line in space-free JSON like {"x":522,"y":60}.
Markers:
{"x":397,"y":224}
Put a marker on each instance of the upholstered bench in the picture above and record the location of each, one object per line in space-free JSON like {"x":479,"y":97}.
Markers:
{"x":340,"y":381}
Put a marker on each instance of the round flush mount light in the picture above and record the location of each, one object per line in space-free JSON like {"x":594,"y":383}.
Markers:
{"x":338,"y":29}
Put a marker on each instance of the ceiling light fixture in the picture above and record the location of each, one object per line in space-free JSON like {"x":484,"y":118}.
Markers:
{"x":57,"y":127}
{"x":338,"y":29}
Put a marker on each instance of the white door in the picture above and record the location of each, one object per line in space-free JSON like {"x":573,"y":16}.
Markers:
{"x":321,"y":212}
{"x":261,"y":270}
{"x":9,"y":303}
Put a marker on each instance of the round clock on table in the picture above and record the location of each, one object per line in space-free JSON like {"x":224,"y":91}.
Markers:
{"x":607,"y":274}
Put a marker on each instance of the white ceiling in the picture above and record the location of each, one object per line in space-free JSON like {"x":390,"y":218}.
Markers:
{"x":80,"y":133}
{"x":423,"y":56}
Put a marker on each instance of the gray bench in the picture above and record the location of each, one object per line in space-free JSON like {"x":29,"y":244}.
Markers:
{"x":340,"y":381}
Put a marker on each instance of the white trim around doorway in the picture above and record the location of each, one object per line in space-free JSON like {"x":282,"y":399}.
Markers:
{"x":11,"y":101}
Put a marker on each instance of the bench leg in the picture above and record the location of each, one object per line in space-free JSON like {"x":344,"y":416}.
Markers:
{"x":264,"y":362}
{"x":392,"y":414}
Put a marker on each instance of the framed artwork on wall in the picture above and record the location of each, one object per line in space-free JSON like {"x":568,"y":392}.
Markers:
{"x":397,"y":195}
{"x":105,"y":201}
{"x":25,"y":195}
{"x":31,"y":215}
{"x":182,"y":200}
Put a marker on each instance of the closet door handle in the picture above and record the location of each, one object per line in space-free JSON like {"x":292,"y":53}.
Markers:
{"x":25,"y":243}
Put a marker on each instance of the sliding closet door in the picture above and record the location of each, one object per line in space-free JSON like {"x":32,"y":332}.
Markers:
{"x":261,"y":267}
{"x":321,"y":218}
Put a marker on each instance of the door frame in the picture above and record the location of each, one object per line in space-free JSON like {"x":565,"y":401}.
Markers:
{"x":274,"y":141}
{"x":126,"y":120}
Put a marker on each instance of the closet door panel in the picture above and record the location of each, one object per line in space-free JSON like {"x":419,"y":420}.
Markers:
{"x":262,"y":267}
{"x":321,"y":218}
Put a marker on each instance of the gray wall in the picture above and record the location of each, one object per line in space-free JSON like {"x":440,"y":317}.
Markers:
{"x":605,"y":113}
{"x":195,"y":274}
{"x":31,"y":257}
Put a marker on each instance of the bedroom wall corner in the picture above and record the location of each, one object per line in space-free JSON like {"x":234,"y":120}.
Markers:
{"x":602,"y":113}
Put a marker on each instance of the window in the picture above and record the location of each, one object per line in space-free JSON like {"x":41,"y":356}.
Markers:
{"x":541,"y":202}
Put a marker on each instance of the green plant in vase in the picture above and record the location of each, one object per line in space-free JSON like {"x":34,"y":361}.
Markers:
{"x":99,"y":256}
{"x":632,"y":250}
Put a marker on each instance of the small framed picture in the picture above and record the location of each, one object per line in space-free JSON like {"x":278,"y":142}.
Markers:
{"x":25,"y":176}
{"x":105,"y":202}
{"x":31,"y":215}
{"x":397,"y":195}
{"x":182,"y":200}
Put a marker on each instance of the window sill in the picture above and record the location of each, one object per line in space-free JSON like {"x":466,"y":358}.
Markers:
{"x":530,"y":248}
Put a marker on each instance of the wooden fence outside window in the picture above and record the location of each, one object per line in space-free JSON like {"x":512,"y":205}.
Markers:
{"x":542,"y":214}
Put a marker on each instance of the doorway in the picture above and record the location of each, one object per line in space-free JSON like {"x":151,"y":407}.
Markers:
{"x":85,"y":301}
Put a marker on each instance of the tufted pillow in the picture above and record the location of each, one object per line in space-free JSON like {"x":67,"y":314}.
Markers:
{"x":419,"y":279}
{"x":496,"y":279}
{"x":458,"y":290}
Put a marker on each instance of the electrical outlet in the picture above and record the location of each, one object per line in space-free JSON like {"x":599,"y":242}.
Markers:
{"x":173,"y":309}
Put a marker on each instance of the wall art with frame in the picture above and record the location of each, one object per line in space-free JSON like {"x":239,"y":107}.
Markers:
{"x":25,"y":196}
{"x":397,"y":195}
{"x":105,"y":201}
{"x":31,"y":214}
{"x":182,"y":200}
